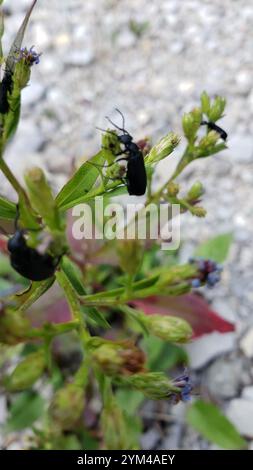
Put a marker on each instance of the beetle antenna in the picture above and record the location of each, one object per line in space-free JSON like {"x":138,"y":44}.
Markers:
{"x":123,"y":118}
{"x":115,"y":125}
{"x":106,"y":130}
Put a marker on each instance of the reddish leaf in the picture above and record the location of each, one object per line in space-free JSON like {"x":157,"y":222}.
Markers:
{"x":192,"y":308}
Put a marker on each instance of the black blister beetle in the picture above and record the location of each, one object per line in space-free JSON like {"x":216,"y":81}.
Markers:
{"x":6,"y":87}
{"x":27,"y":261}
{"x":136,"y":177}
{"x":213,"y":127}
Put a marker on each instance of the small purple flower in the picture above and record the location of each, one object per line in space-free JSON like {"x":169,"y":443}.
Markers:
{"x":184,"y":383}
{"x":196,"y":283}
{"x":30,"y":56}
{"x":209,"y":272}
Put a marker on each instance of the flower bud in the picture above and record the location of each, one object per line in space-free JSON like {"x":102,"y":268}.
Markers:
{"x":217,"y":109}
{"x":173,"y":189}
{"x":117,"y":357}
{"x":113,"y":426}
{"x":130,"y":255}
{"x":22,"y":76}
{"x":198,"y":211}
{"x":154,"y":385}
{"x":164,"y":148}
{"x":27,"y":372}
{"x":168,"y":328}
{"x":67,"y":406}
{"x":195,"y":191}
{"x":41,"y":197}
{"x":205,"y":103}
{"x":110,"y":145}
{"x":191,"y":123}
{"x":209,"y":140}
{"x":14,"y":327}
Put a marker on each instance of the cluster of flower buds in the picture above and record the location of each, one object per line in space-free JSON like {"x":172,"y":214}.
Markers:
{"x":209,"y":272}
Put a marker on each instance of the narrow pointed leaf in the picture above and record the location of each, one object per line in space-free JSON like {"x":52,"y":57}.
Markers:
{"x":217,"y":248}
{"x":80,"y":183}
{"x":208,"y":420}
{"x":7,"y":209}
{"x":17,"y":43}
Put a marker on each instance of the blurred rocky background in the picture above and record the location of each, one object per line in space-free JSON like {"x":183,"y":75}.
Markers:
{"x":152,"y":59}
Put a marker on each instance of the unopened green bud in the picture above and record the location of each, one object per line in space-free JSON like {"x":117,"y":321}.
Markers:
{"x":130,"y":255}
{"x":14,"y":327}
{"x":113,"y":426}
{"x":27,"y":372}
{"x":117,"y":357}
{"x":173,"y":189}
{"x":154,"y":385}
{"x":168,"y":328}
{"x":205,"y":103}
{"x":195,"y":191}
{"x":198,"y":211}
{"x":42,"y":198}
{"x":164,"y":148}
{"x":217,"y":109}
{"x":67,"y":406}
{"x":22,"y":75}
{"x":191,"y":123}
{"x":110,"y":145}
{"x":209,"y":140}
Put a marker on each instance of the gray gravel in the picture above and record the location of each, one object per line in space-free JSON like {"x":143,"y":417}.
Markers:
{"x":93,"y":61}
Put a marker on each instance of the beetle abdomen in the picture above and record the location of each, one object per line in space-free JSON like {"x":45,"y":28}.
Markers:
{"x":136,"y":175}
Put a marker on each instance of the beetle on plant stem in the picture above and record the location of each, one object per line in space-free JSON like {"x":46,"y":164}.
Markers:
{"x":136,"y":177}
{"x":27,"y":261}
{"x":6,"y":87}
{"x":213,"y":127}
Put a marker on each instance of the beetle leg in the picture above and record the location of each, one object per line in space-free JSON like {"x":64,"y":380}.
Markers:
{"x":25,"y":291}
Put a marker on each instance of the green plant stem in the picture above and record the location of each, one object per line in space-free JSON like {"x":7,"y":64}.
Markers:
{"x":12,"y":179}
{"x":53,"y":329}
{"x":74,"y":305}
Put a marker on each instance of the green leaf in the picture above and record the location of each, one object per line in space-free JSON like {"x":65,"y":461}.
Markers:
{"x":37,"y":290}
{"x":216,"y":248}
{"x":88,"y":441}
{"x":16,"y":45}
{"x":161,"y":355}
{"x":25,"y":410}
{"x":73,"y":274}
{"x":208,"y":420}
{"x":129,"y":400}
{"x":81,"y":183}
{"x":94,"y":316}
{"x":7,"y":209}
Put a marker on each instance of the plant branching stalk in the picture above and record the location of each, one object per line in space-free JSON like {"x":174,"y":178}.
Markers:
{"x":12,"y":179}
